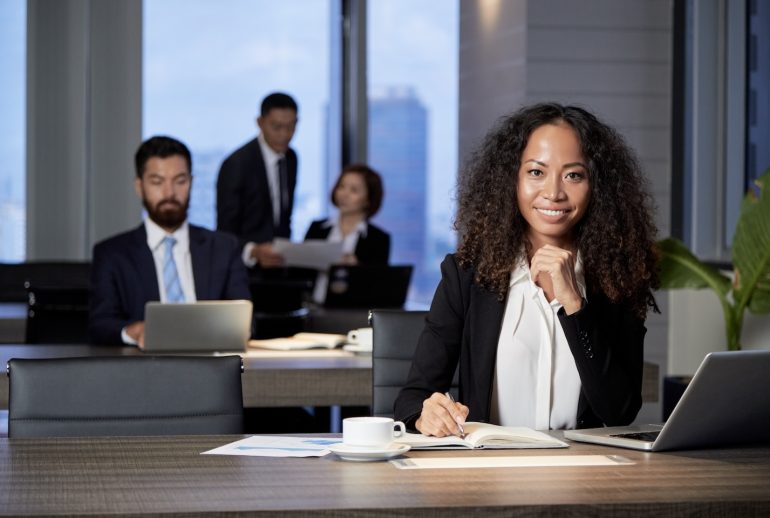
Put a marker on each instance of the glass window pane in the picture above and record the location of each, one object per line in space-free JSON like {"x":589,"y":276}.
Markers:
{"x":207,"y":66}
{"x":758,"y":109}
{"x":413,"y":76}
{"x":13,"y":48}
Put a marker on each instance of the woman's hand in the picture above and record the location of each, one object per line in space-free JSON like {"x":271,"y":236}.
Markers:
{"x":559,"y":264}
{"x":441,"y":416}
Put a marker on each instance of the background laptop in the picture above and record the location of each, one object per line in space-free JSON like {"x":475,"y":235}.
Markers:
{"x":370,"y":286}
{"x":211,"y":325}
{"x":727,"y":402}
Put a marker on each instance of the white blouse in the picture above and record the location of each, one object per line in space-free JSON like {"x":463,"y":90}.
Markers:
{"x":349,"y":244}
{"x":536,"y":382}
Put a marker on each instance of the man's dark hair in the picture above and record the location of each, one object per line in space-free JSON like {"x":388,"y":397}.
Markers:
{"x":277,"y":100}
{"x":161,"y":147}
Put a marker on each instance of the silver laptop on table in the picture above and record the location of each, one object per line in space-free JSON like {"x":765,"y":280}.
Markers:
{"x":205,"y":326}
{"x":726,"y":403}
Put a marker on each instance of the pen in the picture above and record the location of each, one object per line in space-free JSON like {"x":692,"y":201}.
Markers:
{"x":462,"y":431}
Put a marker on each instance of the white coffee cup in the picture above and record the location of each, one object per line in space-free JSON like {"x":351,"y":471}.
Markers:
{"x":370,"y":432}
{"x":361,"y":336}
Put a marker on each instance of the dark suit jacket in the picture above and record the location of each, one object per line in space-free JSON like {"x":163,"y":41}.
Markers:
{"x":244,"y":206}
{"x":123,"y":277}
{"x":464,"y":325}
{"x":372,"y":249}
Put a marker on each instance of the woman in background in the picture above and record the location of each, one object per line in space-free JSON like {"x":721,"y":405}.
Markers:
{"x":358,"y":196}
{"x":543,"y":304}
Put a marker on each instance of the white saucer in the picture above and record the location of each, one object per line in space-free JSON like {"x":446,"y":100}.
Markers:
{"x":361,"y":454}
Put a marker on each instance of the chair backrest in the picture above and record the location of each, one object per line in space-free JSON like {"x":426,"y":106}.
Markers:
{"x":394,"y":339}
{"x":57,"y":314}
{"x":279,"y":303}
{"x":110,"y":396}
{"x":40,"y":273}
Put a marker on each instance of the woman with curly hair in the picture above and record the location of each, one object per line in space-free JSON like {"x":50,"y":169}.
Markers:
{"x":543,"y":304}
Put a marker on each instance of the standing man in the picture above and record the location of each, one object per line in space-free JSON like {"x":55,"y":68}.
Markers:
{"x":165,"y":258}
{"x":255,"y":187}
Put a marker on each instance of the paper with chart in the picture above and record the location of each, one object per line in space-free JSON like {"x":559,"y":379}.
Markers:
{"x":277,"y":446}
{"x":318,"y":254}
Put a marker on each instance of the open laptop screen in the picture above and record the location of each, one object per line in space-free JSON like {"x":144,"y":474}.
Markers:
{"x":211,"y":325}
{"x":368,"y":286}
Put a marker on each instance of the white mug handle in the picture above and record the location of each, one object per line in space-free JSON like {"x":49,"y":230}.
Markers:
{"x":399,"y":429}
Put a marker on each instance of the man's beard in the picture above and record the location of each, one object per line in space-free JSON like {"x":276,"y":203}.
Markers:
{"x":167,"y":213}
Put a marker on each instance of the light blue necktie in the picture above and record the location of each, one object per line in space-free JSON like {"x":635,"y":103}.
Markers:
{"x":170,"y":275}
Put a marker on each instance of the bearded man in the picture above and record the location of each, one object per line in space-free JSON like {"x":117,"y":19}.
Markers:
{"x":164,"y":259}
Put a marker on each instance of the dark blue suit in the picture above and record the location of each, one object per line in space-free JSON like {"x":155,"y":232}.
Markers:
{"x":123,"y":277}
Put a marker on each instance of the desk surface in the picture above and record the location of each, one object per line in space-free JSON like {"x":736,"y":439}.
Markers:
{"x":142,"y":476}
{"x":316,"y":378}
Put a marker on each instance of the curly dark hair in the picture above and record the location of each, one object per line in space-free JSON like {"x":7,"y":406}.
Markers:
{"x":616,"y":236}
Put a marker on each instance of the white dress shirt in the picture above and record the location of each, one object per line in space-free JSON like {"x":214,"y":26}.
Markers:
{"x":271,"y":159}
{"x":536,"y":382}
{"x":349,"y":244}
{"x":181,"y":252}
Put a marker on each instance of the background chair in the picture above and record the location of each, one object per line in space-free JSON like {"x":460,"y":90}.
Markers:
{"x":40,"y":273}
{"x":394,"y":340}
{"x":110,"y":396}
{"x":57,"y":314}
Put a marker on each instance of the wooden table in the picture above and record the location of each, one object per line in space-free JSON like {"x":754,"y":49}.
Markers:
{"x":149,"y":476}
{"x":315,"y":378}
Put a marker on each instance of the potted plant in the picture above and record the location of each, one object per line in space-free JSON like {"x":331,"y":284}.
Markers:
{"x":749,"y":286}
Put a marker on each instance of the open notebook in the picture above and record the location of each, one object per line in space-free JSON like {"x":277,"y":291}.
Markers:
{"x":484,"y":436}
{"x":726,"y":403}
{"x":300,"y":341}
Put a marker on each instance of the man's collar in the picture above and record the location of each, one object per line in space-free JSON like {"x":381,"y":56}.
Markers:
{"x":268,"y":153}
{"x":155,"y":234}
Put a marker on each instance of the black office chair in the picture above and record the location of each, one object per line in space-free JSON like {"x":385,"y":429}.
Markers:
{"x":111,"y":396}
{"x":394,"y":339}
{"x":57,"y":314}
{"x":279,"y":306}
{"x":40,"y":273}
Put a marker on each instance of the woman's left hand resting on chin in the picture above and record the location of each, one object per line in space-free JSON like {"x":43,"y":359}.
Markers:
{"x":559,"y":264}
{"x":441,"y":416}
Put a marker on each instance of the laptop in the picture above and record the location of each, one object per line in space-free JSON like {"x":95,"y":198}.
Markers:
{"x":726,"y":403}
{"x":205,"y":326}
{"x":367,"y":286}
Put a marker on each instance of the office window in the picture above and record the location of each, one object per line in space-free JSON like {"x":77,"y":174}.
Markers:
{"x":412,"y":57}
{"x":721,"y":105}
{"x":758,"y":94}
{"x":207,"y":66}
{"x":13,"y":25}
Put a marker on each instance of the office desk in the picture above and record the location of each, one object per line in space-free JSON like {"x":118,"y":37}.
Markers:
{"x":317,"y":378}
{"x":149,"y":476}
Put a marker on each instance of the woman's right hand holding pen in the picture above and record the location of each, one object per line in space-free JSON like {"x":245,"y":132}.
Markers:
{"x":441,"y":416}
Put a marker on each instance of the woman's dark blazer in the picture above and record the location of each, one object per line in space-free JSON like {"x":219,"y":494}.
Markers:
{"x":464,"y":322}
{"x":372,"y":249}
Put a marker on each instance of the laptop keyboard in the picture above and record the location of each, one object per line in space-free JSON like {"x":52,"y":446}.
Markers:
{"x":639,"y":436}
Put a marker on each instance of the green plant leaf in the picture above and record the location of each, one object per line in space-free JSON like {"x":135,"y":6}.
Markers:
{"x":760,"y":299}
{"x":751,"y":245}
{"x":679,"y":268}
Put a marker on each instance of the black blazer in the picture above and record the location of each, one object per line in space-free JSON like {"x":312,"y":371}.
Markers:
{"x":372,"y":249}
{"x":464,"y":323}
{"x":244,"y":206}
{"x":123,"y":277}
